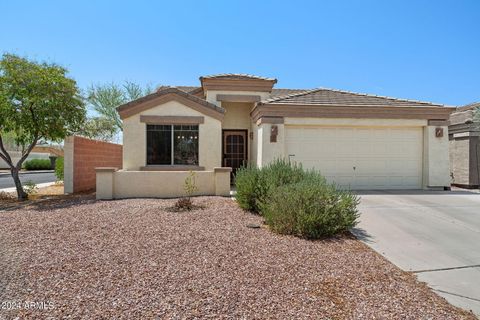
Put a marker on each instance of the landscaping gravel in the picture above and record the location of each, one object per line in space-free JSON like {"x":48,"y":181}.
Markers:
{"x":134,"y":259}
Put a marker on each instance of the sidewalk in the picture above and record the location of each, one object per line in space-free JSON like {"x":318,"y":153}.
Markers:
{"x":39,"y":185}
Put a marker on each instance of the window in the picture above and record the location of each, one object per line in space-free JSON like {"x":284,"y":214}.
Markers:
{"x":172,"y":145}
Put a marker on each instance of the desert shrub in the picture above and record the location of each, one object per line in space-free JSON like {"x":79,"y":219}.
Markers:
{"x":30,"y":187}
{"x":190,"y":187}
{"x":310,"y":209}
{"x":59,"y":173}
{"x":246,"y":182}
{"x":254,"y":185}
{"x":37,"y":164}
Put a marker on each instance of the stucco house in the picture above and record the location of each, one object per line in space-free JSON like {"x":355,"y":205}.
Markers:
{"x":464,"y":134}
{"x":358,"y":141}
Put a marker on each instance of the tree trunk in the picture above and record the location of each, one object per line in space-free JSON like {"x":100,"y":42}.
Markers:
{"x":22,"y":195}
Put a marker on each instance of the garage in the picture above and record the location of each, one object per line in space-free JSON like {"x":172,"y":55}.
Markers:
{"x":360,"y":157}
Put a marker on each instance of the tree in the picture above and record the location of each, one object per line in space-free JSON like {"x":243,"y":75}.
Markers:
{"x":99,"y":128}
{"x":37,"y":101}
{"x":105,"y":99}
{"x":476,"y":115}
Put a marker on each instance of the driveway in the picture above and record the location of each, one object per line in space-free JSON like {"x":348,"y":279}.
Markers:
{"x":436,"y":235}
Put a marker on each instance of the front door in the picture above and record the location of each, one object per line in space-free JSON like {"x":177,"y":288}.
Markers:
{"x":234,"y":149}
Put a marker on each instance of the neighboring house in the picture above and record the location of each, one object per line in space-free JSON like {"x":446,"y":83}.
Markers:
{"x":358,"y":141}
{"x":465,"y":147}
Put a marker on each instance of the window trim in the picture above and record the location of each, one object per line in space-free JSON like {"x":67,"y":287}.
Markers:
{"x":172,"y":166}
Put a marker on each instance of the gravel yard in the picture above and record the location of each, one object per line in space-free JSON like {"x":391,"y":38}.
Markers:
{"x":134,"y":259}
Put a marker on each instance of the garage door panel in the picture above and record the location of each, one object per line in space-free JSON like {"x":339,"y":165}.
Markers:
{"x":361,"y":157}
{"x":344,"y":133}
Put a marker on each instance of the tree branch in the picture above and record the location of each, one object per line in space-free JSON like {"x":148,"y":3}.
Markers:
{"x":25,"y":155}
{"x":4,"y":154}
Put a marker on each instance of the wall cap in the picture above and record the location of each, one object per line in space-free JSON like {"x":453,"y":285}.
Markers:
{"x":222,"y":169}
{"x":171,"y":168}
{"x":106,"y":169}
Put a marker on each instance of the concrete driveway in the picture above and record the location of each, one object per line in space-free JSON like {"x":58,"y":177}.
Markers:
{"x":435,"y":234}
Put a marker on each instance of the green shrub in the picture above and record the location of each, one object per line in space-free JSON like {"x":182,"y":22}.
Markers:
{"x":246,"y":182}
{"x":253,"y":184}
{"x":59,"y":169}
{"x":310,"y":209}
{"x":37,"y":164}
{"x":296,"y":201}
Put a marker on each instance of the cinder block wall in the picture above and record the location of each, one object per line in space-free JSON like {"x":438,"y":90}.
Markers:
{"x":82,"y":156}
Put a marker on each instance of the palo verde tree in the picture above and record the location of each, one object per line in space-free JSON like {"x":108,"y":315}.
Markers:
{"x":37,"y":102}
{"x":105,"y":98}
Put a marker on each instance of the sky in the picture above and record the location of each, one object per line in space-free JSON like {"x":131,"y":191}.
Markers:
{"x":422,"y":50}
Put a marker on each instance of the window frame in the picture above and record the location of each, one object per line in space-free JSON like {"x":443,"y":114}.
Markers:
{"x":172,"y":146}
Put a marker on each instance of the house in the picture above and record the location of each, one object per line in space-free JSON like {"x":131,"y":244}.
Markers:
{"x":358,"y":141}
{"x":463,"y":135}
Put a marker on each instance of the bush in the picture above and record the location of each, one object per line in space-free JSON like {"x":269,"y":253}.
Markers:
{"x":246,"y":182}
{"x":253,"y":184}
{"x":310,"y":209}
{"x":296,"y":201}
{"x":59,"y":169}
{"x":37,"y":164}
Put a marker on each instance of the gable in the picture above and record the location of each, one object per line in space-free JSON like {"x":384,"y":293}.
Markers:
{"x":164,"y":96}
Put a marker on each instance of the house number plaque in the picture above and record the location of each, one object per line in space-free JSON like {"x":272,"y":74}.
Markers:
{"x":438,"y":132}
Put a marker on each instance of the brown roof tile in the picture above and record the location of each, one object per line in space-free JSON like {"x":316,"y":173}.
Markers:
{"x":276,"y":93}
{"x":332,"y":97}
{"x":236,"y":76}
{"x":470,"y":106}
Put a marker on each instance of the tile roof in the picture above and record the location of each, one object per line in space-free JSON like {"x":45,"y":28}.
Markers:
{"x":186,"y":89}
{"x":469,"y":106}
{"x":324,"y":96}
{"x":236,"y":76}
{"x":275,"y":92}
{"x":283,"y":92}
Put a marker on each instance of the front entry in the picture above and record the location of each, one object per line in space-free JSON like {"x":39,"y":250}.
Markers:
{"x":234,"y":149}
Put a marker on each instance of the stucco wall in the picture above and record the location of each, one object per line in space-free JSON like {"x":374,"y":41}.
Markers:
{"x":237,"y":115}
{"x":135,"y":136}
{"x":113,"y":184}
{"x":436,"y":169}
{"x":211,"y":95}
{"x":436,"y":162}
{"x":460,"y":160}
{"x":269,"y":151}
{"x":464,"y":158}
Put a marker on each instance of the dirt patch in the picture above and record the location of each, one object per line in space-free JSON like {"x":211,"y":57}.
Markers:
{"x":133,"y":259}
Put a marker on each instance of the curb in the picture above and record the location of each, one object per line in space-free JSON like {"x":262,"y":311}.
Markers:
{"x":28,"y":172}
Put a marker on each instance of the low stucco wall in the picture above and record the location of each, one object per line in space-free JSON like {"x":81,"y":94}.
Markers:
{"x":113,"y":184}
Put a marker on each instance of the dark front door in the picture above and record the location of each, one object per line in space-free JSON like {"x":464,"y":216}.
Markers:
{"x":234,"y":149}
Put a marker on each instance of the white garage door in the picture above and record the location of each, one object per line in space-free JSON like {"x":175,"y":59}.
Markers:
{"x":360,"y":158}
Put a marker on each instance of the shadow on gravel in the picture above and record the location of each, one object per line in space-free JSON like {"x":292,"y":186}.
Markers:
{"x":50,"y":203}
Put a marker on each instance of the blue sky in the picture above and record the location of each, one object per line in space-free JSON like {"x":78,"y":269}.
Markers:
{"x":425,"y":50}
